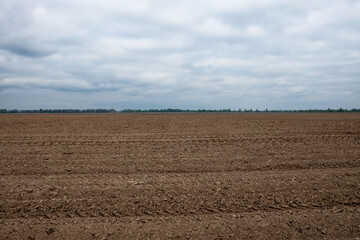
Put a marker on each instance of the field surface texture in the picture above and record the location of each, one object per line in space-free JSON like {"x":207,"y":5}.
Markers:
{"x":180,"y":176}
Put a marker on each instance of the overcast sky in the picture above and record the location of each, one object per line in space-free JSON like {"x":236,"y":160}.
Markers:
{"x":194,"y":54}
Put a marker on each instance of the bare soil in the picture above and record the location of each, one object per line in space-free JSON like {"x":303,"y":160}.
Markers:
{"x":180,"y":176}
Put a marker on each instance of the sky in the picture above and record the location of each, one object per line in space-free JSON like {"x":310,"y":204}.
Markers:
{"x":189,"y":54}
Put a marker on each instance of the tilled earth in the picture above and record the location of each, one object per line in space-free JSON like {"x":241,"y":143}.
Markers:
{"x":180,"y":176}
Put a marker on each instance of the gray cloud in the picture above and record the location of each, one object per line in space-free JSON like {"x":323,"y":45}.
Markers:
{"x":25,"y":48}
{"x":202,"y":54}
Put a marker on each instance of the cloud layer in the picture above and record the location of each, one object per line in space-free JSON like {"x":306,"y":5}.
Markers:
{"x":190,"y":54}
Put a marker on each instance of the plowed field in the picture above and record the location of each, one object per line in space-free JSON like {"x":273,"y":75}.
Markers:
{"x":180,"y":176}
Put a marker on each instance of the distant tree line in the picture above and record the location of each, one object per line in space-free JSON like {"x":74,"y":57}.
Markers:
{"x":169,"y":110}
{"x":99,"y":110}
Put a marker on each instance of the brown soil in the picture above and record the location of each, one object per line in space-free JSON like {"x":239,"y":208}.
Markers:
{"x":180,"y":176}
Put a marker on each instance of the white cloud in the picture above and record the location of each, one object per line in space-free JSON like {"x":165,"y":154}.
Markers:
{"x":296,"y":89}
{"x":70,"y":84}
{"x":215,"y":27}
{"x":133,"y":7}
